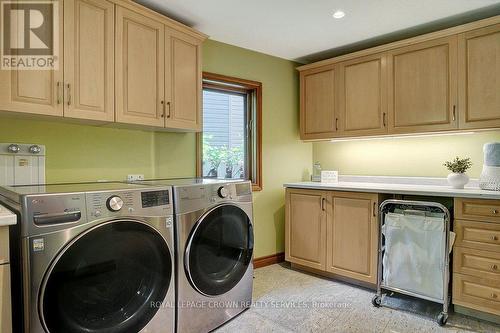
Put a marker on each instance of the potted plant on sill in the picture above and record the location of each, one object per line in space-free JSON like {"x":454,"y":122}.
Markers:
{"x":458,"y":178}
{"x":214,"y":156}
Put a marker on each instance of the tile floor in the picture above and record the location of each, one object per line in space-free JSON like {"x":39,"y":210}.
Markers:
{"x":286,"y":300}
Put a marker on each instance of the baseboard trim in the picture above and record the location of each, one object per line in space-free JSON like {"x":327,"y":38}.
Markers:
{"x":269,"y":260}
{"x":345,"y":279}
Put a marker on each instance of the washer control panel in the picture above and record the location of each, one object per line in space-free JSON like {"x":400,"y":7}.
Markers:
{"x":153,"y":202}
{"x":55,"y":211}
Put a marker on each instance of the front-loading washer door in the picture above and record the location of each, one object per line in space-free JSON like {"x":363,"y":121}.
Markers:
{"x":106,"y":280}
{"x":219,"y":250}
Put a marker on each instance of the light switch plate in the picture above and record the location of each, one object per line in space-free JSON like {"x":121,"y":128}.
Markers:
{"x":134,"y":178}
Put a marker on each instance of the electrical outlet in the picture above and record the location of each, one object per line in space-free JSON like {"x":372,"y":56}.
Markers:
{"x":134,"y":178}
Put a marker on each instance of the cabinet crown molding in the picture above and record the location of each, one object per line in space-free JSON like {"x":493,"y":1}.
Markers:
{"x":132,"y":5}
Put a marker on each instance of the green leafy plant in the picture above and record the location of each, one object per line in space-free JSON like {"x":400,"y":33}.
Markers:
{"x":213,"y":155}
{"x":458,"y":165}
{"x":233,"y":160}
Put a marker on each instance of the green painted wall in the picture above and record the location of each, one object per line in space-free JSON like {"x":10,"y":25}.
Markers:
{"x":284,"y":157}
{"x":422,"y":156}
{"x":78,"y":152}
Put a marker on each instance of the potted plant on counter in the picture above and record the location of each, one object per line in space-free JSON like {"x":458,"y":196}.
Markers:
{"x":458,"y":178}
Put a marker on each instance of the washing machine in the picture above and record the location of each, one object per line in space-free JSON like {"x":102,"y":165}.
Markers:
{"x":93,"y":257}
{"x":214,"y":241}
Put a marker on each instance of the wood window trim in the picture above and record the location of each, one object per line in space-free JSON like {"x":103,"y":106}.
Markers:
{"x":239,"y":85}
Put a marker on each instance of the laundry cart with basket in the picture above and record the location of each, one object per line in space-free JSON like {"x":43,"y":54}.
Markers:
{"x":414,"y":252}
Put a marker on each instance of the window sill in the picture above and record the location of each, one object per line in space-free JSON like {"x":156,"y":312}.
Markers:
{"x":256,"y":188}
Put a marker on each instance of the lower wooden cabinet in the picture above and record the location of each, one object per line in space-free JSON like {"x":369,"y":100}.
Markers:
{"x":476,"y":255}
{"x":334,"y":232}
{"x":352,"y":236}
{"x":477,"y":293}
{"x":5,"y":296}
{"x":5,"y":302}
{"x":305,"y":228}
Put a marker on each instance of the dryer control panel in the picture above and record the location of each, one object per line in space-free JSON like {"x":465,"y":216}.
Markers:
{"x":195,"y":197}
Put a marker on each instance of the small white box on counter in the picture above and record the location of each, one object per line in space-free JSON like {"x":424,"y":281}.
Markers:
{"x":329,"y":176}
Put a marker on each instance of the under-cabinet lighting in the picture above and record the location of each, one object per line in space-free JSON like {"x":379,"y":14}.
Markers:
{"x":387,"y":137}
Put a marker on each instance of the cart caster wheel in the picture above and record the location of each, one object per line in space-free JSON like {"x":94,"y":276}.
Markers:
{"x":376,"y":301}
{"x":442,"y":318}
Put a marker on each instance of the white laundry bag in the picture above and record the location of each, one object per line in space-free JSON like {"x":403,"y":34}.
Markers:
{"x":414,"y":253}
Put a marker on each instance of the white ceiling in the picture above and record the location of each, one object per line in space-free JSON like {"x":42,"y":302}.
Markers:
{"x":293,"y":29}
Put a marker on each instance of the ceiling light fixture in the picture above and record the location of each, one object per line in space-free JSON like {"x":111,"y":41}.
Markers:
{"x":338,"y":14}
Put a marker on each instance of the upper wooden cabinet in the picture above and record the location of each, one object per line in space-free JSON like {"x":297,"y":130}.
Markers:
{"x":118,"y":61}
{"x":140,"y":71}
{"x":352,"y":236}
{"x":305,"y":228}
{"x":443,"y":81}
{"x":317,"y":107}
{"x":423,"y":87}
{"x":89,"y":59}
{"x":479,"y":78}
{"x":362,"y":96}
{"x":34,"y":91}
{"x":183,"y":81}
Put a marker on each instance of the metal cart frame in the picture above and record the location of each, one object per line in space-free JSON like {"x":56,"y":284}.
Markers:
{"x":384,"y":209}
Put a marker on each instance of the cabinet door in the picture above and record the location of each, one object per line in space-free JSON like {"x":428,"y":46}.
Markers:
{"x":363,"y":96}
{"x":183,"y":81}
{"x":353,"y":236}
{"x":479,"y":78}
{"x":305,"y":228}
{"x":5,"y":305}
{"x":317,"y":104}
{"x":423,"y":87}
{"x":34,"y":91}
{"x":89,"y":59}
{"x":139,"y":69}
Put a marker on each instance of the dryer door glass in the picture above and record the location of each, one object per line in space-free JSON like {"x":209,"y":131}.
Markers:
{"x":107,"y":279}
{"x":219,"y":250}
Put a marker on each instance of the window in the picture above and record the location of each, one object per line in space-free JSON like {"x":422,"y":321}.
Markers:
{"x":230,"y":144}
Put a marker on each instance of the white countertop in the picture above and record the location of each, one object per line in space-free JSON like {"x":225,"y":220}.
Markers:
{"x":7,"y":217}
{"x":400,"y":185}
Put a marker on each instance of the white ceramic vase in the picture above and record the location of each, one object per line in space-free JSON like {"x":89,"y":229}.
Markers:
{"x":458,"y":180}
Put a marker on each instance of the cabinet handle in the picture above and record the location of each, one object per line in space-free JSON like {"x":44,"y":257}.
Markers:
{"x":495,"y":238}
{"x":58,"y":92}
{"x":168,"y":113}
{"x":163,"y":109}
{"x":494,"y":211}
{"x":69,"y":94}
{"x":494,"y":267}
{"x":493,"y":295}
{"x":374,"y":209}
{"x":336,"y":124}
{"x":454,"y":112}
{"x":383,"y":119}
{"x":323,"y":204}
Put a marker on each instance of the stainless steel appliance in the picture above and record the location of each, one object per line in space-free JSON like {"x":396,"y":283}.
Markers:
{"x":93,"y":257}
{"x":214,"y":237}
